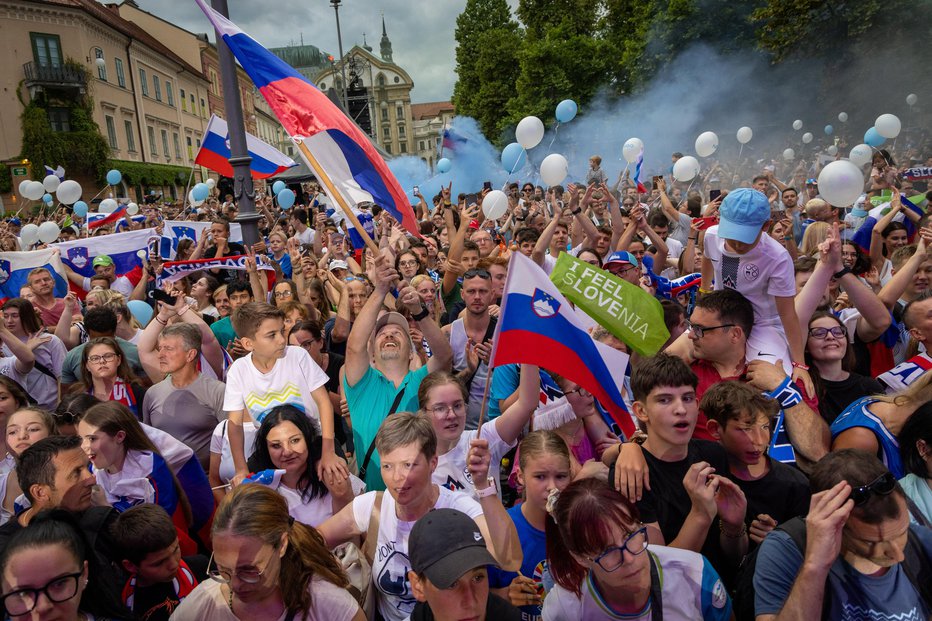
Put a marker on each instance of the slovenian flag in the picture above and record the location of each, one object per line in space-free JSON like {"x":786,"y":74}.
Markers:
{"x":862,"y":237}
{"x":128,"y":250}
{"x":343,"y":152}
{"x":452,"y":140}
{"x":110,"y":218}
{"x":267,"y":161}
{"x":637,"y":173}
{"x":537,"y":325}
{"x":15,"y":268}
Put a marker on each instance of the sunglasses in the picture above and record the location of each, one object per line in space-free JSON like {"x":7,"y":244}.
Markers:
{"x":66,"y":418}
{"x":483,"y":274}
{"x":881,"y":486}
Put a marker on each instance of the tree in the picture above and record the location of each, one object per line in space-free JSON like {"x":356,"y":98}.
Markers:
{"x":488,"y":40}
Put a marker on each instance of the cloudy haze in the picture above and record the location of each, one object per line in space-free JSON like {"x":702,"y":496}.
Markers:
{"x":421,"y":32}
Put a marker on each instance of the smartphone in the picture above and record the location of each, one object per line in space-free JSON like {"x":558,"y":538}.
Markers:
{"x":714,"y":194}
{"x":657,"y":180}
{"x":471,"y":198}
{"x":160,"y":296}
{"x":707,"y":221}
{"x":486,"y":185}
{"x":417,"y":190}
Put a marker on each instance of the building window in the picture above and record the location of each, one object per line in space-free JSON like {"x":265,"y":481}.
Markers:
{"x":187,"y":140}
{"x":193,"y":105}
{"x":214,"y":83}
{"x":404,"y":147}
{"x":60,"y":119}
{"x":177,"y":145}
{"x":203,"y":108}
{"x":401,"y":130}
{"x":111,"y":132}
{"x":152,"y":146}
{"x":46,"y":49}
{"x":101,"y":67}
{"x":420,"y":145}
{"x":399,"y":113}
{"x":184,"y":101}
{"x":157,"y":87}
{"x":130,"y":136}
{"x":121,"y":77}
{"x":323,"y":86}
{"x":165,"y":144}
{"x":388,"y":149}
{"x":386,"y":132}
{"x":170,"y":93}
{"x":144,"y":80}
{"x":380,"y":80}
{"x":384,"y":113}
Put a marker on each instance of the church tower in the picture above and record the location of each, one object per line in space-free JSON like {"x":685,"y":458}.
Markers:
{"x":385,"y":46}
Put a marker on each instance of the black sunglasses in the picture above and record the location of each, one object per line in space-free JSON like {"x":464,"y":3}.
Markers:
{"x":478,"y":273}
{"x":882,"y":486}
{"x":66,"y":418}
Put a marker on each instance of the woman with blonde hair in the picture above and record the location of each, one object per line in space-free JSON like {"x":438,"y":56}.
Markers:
{"x":427,"y":289}
{"x":266,"y":565}
{"x":815,"y":234}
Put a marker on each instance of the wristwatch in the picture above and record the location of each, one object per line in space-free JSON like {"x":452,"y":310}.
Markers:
{"x":420,"y":314}
{"x":491,"y":490}
{"x":840,"y":273}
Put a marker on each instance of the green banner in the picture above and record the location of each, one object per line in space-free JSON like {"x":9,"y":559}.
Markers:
{"x":627,"y":311}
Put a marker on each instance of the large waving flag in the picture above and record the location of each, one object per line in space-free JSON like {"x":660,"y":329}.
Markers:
{"x":343,"y":153}
{"x":862,"y":236}
{"x":110,"y":218}
{"x":538,"y":326}
{"x":128,"y":250}
{"x":174,"y":231}
{"x":15,"y":268}
{"x":267,"y":161}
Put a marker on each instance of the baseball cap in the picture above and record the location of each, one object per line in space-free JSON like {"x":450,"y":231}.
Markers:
{"x":391,"y":317}
{"x":14,"y":221}
{"x":742,"y":214}
{"x":338,"y":265}
{"x":621,"y":256}
{"x":102,"y":259}
{"x":444,"y":545}
{"x":812,"y":182}
{"x":474,"y":224}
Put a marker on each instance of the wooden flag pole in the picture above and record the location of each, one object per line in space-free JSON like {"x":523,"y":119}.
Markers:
{"x":324,"y":178}
{"x":485,"y":401}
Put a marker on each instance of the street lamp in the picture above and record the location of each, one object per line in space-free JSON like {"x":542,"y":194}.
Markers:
{"x":336,"y":11}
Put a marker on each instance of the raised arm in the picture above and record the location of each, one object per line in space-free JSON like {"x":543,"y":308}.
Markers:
{"x":876,"y":250}
{"x":895,"y":287}
{"x":357,"y":345}
{"x":513,"y":420}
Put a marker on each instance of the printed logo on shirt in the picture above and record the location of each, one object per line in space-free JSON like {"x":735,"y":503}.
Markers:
{"x":393,"y":577}
{"x":751,"y":272}
{"x":453,"y":485}
{"x":730,"y":272}
{"x":719,"y":596}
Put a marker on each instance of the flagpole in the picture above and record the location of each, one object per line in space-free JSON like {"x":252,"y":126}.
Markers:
{"x":485,"y":401}
{"x":184,"y":199}
{"x":324,"y":178}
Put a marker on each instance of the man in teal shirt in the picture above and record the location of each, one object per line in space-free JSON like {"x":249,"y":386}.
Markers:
{"x":239,"y":292}
{"x":388,"y":385}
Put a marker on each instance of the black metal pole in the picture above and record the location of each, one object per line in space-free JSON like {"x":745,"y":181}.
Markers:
{"x":336,"y":10}
{"x":243,"y":191}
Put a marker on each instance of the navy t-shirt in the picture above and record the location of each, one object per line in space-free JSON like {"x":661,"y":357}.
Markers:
{"x":534,"y":565}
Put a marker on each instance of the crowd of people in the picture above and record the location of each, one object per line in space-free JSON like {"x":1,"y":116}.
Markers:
{"x":320,"y":435}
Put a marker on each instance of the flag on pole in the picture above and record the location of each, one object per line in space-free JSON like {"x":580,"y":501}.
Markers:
{"x":15,"y":268}
{"x":344,"y":153}
{"x":637,"y":173}
{"x":452,"y":140}
{"x":538,"y":326}
{"x":128,"y":250}
{"x":267,"y":161}
{"x":110,"y":218}
{"x":862,"y":236}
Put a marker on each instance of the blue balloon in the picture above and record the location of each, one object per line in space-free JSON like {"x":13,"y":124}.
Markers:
{"x":47,"y":199}
{"x":829,"y":130}
{"x":872,"y":138}
{"x":200,"y":192}
{"x":444,"y":165}
{"x":286,"y":198}
{"x":566,"y":110}
{"x":277,"y":187}
{"x":514,"y":157}
{"x":114,"y":177}
{"x":80,"y":209}
{"x":141,"y":311}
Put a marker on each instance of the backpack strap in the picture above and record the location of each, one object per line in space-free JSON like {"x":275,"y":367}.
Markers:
{"x":371,"y":449}
{"x":918,"y":567}
{"x":372,"y":533}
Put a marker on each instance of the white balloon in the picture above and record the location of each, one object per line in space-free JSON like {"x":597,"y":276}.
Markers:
{"x":48,"y":232}
{"x":22,"y":186}
{"x":745,"y":134}
{"x":132,"y":209}
{"x":69,"y":192}
{"x":807,"y":138}
{"x":861,"y":155}
{"x":197,"y":203}
{"x":108,"y":205}
{"x":29,"y":234}
{"x":553,"y":169}
{"x":632,"y":148}
{"x":495,"y":204}
{"x":706,"y":144}
{"x":210,"y":183}
{"x":51,"y":183}
{"x":843,"y":117}
{"x":832,"y":150}
{"x":34,"y":191}
{"x":841,"y":183}
{"x":911,"y":99}
{"x":530,"y":132}
{"x":888,"y":125}
{"x":797,"y":124}
{"x":789,"y":154}
{"x":686,"y":168}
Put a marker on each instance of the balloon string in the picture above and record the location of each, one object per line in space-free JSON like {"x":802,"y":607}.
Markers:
{"x":556,"y":128}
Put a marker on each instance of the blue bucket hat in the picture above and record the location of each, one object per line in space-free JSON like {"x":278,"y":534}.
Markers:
{"x":742,"y":214}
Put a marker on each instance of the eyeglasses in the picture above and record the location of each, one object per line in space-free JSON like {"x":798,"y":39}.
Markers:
{"x":614,"y":557}
{"x":352,"y":278}
{"x":308,"y":344}
{"x":97,"y":359}
{"x":582,"y":392}
{"x":700,"y":330}
{"x":23,"y":601}
{"x":477,"y":273}
{"x":882,"y":486}
{"x":249,"y":576}
{"x":820,"y":333}
{"x":66,"y":418}
{"x":442,"y":408}
{"x":412,"y":263}
{"x":283,"y":294}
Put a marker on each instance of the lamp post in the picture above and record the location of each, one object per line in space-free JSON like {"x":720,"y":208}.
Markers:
{"x":243,"y":191}
{"x":336,"y":10}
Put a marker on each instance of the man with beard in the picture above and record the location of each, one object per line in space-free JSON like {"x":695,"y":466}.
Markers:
{"x":471,"y":340}
{"x":378,"y":380}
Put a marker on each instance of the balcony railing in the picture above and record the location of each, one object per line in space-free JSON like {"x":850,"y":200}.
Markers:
{"x":61,"y":76}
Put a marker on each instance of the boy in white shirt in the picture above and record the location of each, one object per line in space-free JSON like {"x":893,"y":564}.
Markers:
{"x":739,"y":255}
{"x":275,"y":374}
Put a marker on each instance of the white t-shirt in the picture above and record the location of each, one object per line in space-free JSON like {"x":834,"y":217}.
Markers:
{"x":220,"y":445}
{"x":41,"y":386}
{"x":291,"y":381}
{"x":765,"y":271}
{"x":306,"y":236}
{"x":451,"y":471}
{"x":121,"y":284}
{"x":391,"y":565}
{"x":318,"y":510}
{"x":328,"y":603}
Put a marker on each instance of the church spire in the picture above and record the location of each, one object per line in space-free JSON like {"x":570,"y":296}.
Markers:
{"x":385,"y":46}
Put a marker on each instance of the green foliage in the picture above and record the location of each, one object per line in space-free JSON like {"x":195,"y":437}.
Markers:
{"x":6,"y":181}
{"x":143,"y":174}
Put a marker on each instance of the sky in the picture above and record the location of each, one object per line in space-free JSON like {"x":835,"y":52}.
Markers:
{"x":421,"y":31}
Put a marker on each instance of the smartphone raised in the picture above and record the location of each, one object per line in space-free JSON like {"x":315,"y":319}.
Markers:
{"x":714,"y":194}
{"x":486,"y":185}
{"x":417,"y":190}
{"x":161,"y":296}
{"x":707,"y":221}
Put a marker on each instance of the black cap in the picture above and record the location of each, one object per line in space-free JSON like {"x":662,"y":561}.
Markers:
{"x":444,"y":545}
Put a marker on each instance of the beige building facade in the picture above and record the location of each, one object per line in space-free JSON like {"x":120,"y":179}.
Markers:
{"x":428,"y":120}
